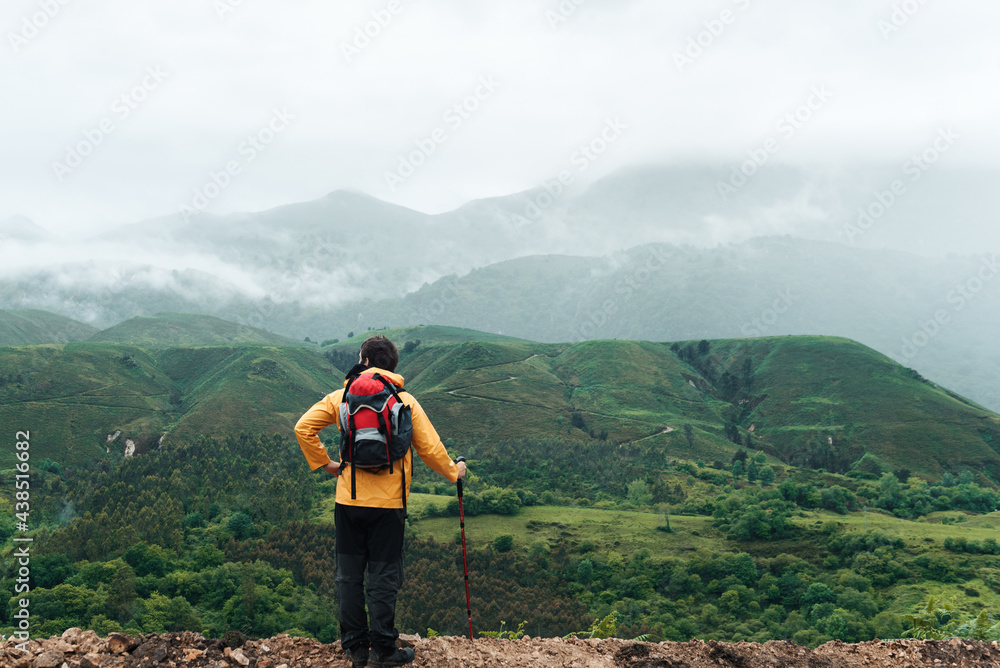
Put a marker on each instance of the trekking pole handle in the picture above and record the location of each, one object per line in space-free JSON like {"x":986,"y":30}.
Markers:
{"x":460,"y":459}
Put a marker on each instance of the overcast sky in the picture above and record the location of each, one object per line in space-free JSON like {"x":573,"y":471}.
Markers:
{"x":201,"y":76}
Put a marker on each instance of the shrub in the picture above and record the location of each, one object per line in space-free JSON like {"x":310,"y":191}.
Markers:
{"x":241,"y":526}
{"x":503,"y":543}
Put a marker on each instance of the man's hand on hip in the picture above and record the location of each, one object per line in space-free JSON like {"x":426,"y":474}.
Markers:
{"x":332,"y":468}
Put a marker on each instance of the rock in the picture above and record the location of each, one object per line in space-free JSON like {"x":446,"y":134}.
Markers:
{"x":145,"y":649}
{"x":408,"y":640}
{"x":87,"y":642}
{"x":192,"y":654}
{"x":49,"y":659}
{"x":176,"y":650}
{"x":119,"y":643}
{"x":61,"y":645}
{"x":33,"y":648}
{"x":72,"y":634}
{"x":91,"y":660}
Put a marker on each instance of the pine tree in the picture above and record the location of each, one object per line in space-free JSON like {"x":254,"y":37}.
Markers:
{"x":122,"y":595}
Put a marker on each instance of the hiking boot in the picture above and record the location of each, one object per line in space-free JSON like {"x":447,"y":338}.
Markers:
{"x":358,"y":657}
{"x":391,"y":656}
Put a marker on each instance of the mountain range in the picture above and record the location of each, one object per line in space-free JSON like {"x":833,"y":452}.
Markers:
{"x":922,"y":312}
{"x":651,"y":253}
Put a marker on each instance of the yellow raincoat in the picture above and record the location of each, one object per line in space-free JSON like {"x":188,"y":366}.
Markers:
{"x":382,"y":489}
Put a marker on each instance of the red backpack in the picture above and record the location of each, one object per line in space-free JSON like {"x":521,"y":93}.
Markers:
{"x":376,"y":427}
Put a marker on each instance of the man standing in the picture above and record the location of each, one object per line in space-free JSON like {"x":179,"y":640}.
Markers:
{"x":370,"y":514}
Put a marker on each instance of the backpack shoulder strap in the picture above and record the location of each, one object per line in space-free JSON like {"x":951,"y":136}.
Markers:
{"x":347,"y":387}
{"x":350,"y":435}
{"x":389,"y":384}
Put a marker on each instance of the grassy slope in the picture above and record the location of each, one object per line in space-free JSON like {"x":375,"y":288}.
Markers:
{"x":27,"y":327}
{"x":813,"y":389}
{"x":72,"y":397}
{"x":632,"y":390}
{"x":227,"y":390}
{"x":826,"y":387}
{"x":183,"y":329}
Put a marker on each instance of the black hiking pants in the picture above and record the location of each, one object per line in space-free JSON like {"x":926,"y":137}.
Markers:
{"x":369,"y":538}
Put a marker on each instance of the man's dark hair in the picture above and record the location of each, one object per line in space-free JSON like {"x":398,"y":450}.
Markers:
{"x":380,"y":352}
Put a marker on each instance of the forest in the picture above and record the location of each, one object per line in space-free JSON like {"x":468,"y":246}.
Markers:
{"x":234,"y":539}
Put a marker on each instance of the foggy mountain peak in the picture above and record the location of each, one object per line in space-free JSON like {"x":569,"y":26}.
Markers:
{"x":21,"y":228}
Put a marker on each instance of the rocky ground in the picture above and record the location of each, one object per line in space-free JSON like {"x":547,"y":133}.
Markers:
{"x":84,"y":649}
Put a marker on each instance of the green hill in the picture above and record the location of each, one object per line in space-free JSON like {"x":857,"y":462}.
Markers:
{"x":27,"y":327}
{"x":816,"y":402}
{"x":825,"y":402}
{"x":74,"y":397}
{"x":87,"y":400}
{"x":632,"y":391}
{"x":187,"y":329}
{"x":229,"y":390}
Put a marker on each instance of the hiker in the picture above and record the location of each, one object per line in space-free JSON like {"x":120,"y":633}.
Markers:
{"x":371,"y":502}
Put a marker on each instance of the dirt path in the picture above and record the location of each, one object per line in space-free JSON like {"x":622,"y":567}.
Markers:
{"x":665,"y":430}
{"x":488,"y":366}
{"x":84,"y":649}
{"x":459,"y":390}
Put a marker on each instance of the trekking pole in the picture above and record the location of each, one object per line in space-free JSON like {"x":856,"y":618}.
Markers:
{"x":465,"y":557}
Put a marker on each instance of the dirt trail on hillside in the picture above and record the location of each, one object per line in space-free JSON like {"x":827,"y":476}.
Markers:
{"x":84,"y":649}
